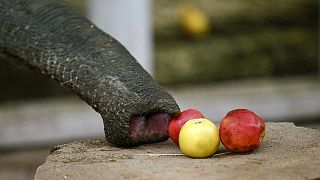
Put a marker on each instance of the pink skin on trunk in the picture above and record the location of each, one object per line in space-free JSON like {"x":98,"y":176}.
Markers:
{"x":149,"y":129}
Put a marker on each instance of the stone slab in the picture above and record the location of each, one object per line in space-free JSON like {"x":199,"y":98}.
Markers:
{"x":288,"y":152}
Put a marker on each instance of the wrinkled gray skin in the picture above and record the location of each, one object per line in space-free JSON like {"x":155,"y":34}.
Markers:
{"x":52,"y":37}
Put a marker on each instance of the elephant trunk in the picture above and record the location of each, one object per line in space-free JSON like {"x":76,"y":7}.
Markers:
{"x":52,"y":37}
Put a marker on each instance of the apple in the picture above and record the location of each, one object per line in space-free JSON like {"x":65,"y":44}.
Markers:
{"x":176,"y":123}
{"x":193,"y":22}
{"x":199,"y":138}
{"x":241,"y":130}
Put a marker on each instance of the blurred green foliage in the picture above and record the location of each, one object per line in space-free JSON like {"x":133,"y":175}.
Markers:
{"x":17,"y":81}
{"x":79,"y":5}
{"x":248,"y":38}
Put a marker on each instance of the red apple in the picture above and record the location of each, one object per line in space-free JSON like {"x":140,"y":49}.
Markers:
{"x":176,"y":123}
{"x":241,"y":130}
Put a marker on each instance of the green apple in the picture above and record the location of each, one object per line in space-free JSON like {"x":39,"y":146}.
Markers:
{"x":199,"y":138}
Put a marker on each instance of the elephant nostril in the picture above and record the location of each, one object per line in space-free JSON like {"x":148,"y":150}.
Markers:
{"x":149,"y":129}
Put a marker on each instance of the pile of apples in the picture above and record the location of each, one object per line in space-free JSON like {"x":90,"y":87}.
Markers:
{"x":241,"y":130}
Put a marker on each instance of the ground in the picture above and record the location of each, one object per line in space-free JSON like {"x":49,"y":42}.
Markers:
{"x":288,"y":152}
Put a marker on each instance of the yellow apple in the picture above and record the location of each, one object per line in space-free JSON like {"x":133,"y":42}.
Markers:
{"x":193,"y":22}
{"x":199,"y":138}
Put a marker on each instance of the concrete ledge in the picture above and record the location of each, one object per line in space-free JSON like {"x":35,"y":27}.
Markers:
{"x":288,"y":152}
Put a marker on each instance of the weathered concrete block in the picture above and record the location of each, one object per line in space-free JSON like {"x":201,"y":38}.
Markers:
{"x":288,"y":152}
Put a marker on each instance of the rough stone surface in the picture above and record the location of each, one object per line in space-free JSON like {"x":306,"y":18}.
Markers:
{"x":288,"y":152}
